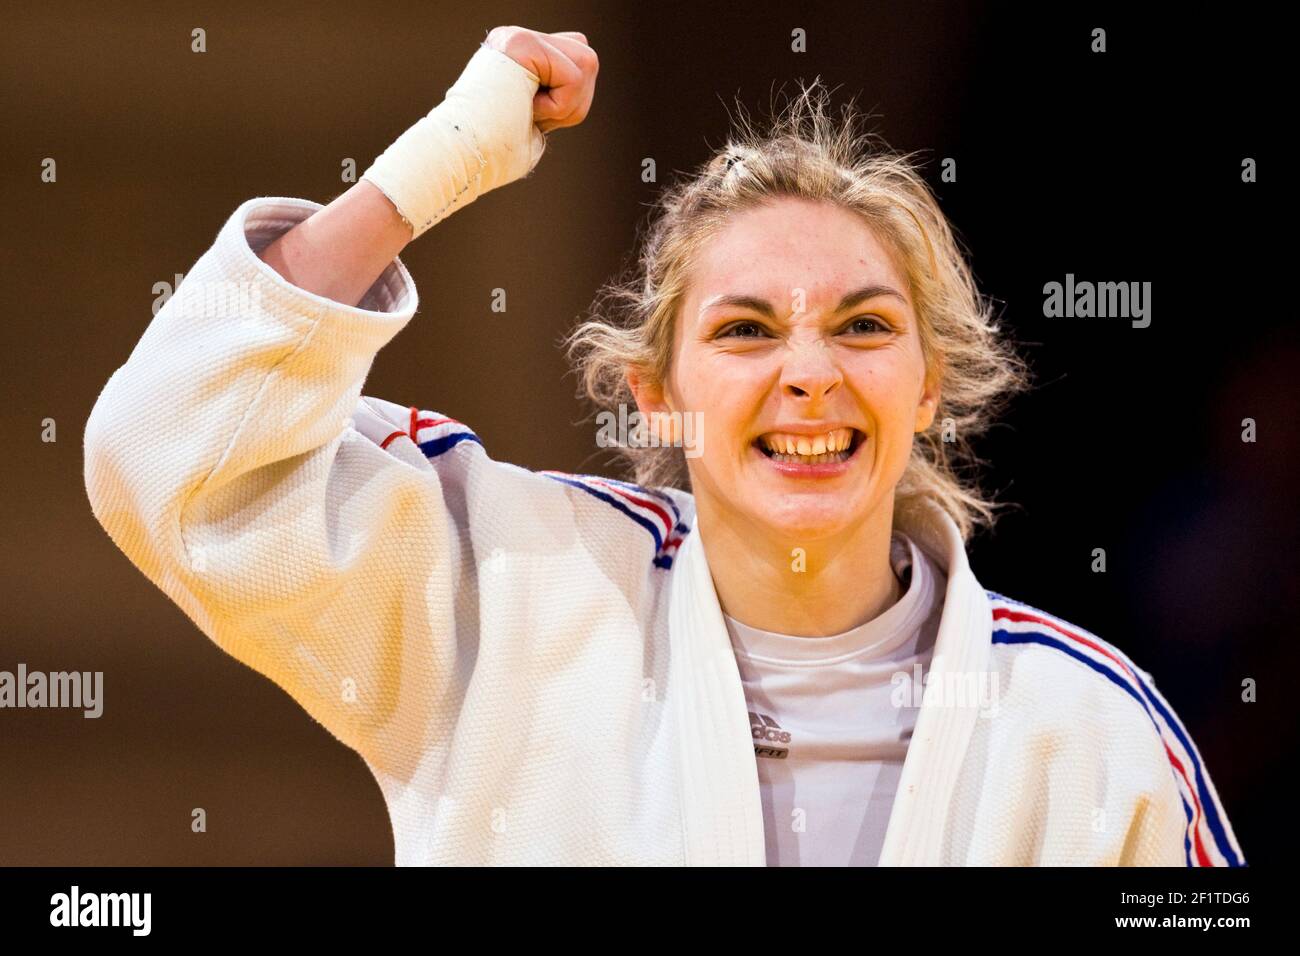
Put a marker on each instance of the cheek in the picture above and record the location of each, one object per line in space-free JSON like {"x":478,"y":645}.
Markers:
{"x":891,"y":385}
{"x":690,"y":379}
{"x":726,"y":395}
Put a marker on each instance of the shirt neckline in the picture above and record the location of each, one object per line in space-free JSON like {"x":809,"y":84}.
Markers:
{"x":872,"y":639}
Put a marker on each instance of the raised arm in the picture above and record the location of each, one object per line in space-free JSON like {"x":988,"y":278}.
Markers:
{"x":460,"y":150}
{"x":234,"y":460}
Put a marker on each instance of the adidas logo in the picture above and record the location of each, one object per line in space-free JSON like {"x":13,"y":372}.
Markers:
{"x":768,"y":735}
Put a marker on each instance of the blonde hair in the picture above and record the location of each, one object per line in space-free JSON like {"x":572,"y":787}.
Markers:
{"x":805,"y":154}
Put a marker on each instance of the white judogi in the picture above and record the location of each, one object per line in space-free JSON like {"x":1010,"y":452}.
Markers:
{"x":534,"y":665}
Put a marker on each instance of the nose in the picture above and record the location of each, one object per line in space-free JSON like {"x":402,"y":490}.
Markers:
{"x":810,"y":371}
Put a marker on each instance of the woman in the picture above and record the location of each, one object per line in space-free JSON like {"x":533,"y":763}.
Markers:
{"x":790,"y":664}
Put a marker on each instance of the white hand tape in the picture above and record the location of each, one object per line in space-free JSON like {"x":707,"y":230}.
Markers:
{"x":480,"y":137}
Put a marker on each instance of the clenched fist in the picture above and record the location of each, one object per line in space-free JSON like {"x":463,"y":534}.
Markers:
{"x":565,"y":65}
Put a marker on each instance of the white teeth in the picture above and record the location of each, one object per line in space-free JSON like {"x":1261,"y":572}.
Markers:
{"x":833,"y":441}
{"x":832,"y":447}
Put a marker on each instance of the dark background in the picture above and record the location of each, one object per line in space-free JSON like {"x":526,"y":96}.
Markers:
{"x":1123,"y":166}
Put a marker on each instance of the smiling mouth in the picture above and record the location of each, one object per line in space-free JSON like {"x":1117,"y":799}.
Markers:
{"x":825,"y":458}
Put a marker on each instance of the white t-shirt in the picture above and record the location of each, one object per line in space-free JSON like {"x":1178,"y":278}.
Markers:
{"x":829,"y":732}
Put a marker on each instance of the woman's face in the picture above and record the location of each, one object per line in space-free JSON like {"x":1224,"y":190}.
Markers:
{"x":797,"y":324}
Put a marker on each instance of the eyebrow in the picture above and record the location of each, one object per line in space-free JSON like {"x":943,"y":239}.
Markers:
{"x":765,"y":308}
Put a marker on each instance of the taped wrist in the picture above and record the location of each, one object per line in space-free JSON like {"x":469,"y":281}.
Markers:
{"x":480,"y":137}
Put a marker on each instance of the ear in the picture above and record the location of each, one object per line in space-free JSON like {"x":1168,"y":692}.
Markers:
{"x":653,"y":403}
{"x":929,"y":403}
{"x":649,"y":396}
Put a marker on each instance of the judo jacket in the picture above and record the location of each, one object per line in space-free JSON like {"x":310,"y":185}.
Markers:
{"x":534,"y":664}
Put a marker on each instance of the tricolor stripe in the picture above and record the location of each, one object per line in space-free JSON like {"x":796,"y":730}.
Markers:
{"x":450,"y":433}
{"x":1208,"y":842}
{"x":653,"y":510}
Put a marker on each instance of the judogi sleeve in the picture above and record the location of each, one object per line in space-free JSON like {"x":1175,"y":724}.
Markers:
{"x":235,"y":462}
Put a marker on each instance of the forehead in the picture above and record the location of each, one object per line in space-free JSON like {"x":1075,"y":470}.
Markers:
{"x":794,"y":243}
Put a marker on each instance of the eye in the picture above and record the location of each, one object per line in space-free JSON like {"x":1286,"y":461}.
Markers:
{"x":729,"y":332}
{"x":880,"y":326}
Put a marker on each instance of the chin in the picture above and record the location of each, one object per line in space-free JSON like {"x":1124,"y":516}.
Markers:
{"x":806,"y":517}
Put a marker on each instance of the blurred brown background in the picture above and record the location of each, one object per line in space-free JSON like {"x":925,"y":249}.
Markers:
{"x":156,"y":146}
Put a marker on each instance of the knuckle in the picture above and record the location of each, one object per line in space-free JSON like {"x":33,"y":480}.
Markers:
{"x":511,"y":36}
{"x":518,"y":43}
